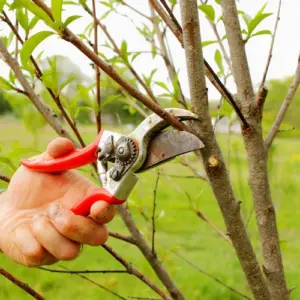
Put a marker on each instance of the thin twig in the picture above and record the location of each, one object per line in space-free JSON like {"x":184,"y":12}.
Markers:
{"x":153,"y":214}
{"x":131,"y":270}
{"x":83,"y":271}
{"x":25,"y":287}
{"x":202,"y":216}
{"x":170,"y":12}
{"x":153,"y":260}
{"x":186,"y":163}
{"x":271,"y":47}
{"x":97,"y":70}
{"x":39,"y":75}
{"x":167,"y":57}
{"x":127,"y":239}
{"x":209,"y":72}
{"x":135,"y":10}
{"x":142,"y":298}
{"x":233,"y":290}
{"x":96,"y":283}
{"x":4,"y":178}
{"x":120,"y":54}
{"x":41,"y":106}
{"x":284,"y":107}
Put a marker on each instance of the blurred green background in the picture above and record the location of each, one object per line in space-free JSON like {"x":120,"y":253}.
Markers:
{"x":179,"y":229}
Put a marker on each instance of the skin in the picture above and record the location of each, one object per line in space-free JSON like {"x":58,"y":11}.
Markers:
{"x":36,"y":224}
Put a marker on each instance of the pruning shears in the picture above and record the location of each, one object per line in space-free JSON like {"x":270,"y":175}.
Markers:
{"x":149,"y":145}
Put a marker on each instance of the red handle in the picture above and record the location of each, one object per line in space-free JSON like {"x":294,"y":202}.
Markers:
{"x":84,"y":207}
{"x":73,"y":160}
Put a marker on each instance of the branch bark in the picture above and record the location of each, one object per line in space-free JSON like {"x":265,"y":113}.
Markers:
{"x":41,"y":106}
{"x":25,"y":287}
{"x":284,"y":107}
{"x":97,"y":71}
{"x":212,"y":157}
{"x":131,"y":270}
{"x":166,"y":57}
{"x":151,"y":258}
{"x":4,"y":178}
{"x":39,"y":75}
{"x":118,"y":51}
{"x":257,"y":158}
{"x":209,"y":72}
{"x":271,"y":47}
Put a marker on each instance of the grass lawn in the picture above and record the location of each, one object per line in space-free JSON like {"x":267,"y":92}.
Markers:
{"x":178,"y":227}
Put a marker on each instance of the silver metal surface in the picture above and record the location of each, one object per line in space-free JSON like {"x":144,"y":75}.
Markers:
{"x":169,"y":144}
{"x":142,"y":137}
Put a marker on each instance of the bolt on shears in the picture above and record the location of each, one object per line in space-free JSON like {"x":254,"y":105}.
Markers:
{"x":149,"y":145}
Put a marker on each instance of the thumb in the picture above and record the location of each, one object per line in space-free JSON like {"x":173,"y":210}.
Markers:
{"x":59,"y":147}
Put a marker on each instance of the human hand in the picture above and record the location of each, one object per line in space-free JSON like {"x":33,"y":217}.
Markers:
{"x":37,"y":226}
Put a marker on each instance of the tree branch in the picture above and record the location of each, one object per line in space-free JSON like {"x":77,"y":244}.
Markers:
{"x":96,"y":283}
{"x":233,"y":290}
{"x":127,"y":239}
{"x":4,"y":178}
{"x":257,"y":159}
{"x":25,"y":287}
{"x":211,"y":155}
{"x":271,"y":47}
{"x":97,"y":71}
{"x":120,"y":54}
{"x":284,"y":107}
{"x":83,"y":271}
{"x":41,"y":106}
{"x":147,"y":252}
{"x":166,"y":57}
{"x":153,"y":214}
{"x":39,"y":75}
{"x":131,"y":270}
{"x":211,"y":75}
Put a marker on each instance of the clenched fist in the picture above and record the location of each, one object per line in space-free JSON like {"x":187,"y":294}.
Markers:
{"x":37,"y":226}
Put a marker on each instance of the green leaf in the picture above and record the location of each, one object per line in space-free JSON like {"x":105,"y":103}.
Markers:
{"x":218,"y":2}
{"x":67,"y":82}
{"x":70,"y":20}
{"x":208,"y":11}
{"x":148,"y":80}
{"x":247,"y":19}
{"x":56,"y":7}
{"x":135,"y":56}
{"x":153,"y":50}
{"x":207,"y":43}
{"x":108,"y":100}
{"x":31,"y":44}
{"x":4,"y":160}
{"x":256,"y":21}
{"x":124,"y":50}
{"x":22,"y":18}
{"x":262,"y":32}
{"x":33,"y":22}
{"x":219,"y":61}
{"x":37,"y":11}
{"x":5,"y":85}
{"x":162,"y":85}
{"x":2,"y":3}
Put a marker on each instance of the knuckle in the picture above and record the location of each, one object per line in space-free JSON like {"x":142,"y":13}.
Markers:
{"x":69,"y":252}
{"x":101,"y":237}
{"x":34,"y":256}
{"x":66,"y":224}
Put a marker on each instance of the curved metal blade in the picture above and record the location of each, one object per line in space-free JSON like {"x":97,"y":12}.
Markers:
{"x":169,"y":144}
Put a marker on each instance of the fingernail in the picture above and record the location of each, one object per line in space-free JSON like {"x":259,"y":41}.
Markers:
{"x":54,"y":210}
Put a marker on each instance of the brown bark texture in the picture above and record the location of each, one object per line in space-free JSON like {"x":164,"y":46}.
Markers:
{"x":217,"y":172}
{"x":257,"y":158}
